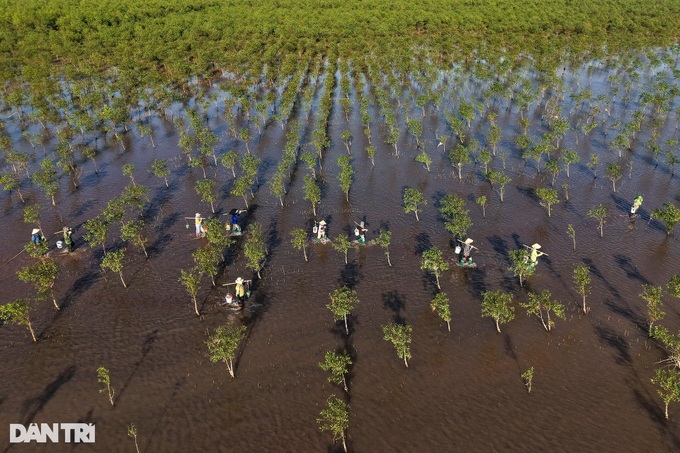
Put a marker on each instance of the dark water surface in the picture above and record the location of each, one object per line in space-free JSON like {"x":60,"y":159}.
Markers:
{"x":462,"y":391}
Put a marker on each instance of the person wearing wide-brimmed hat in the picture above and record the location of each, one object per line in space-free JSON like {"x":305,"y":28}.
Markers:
{"x":240,"y":292}
{"x":36,"y":237}
{"x":198,"y":221}
{"x":535,"y":253}
{"x":321,"y":231}
{"x":68,"y":240}
{"x":467,"y":251}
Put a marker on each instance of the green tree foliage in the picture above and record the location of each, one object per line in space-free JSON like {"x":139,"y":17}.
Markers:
{"x":114,"y":262}
{"x":224,"y":343}
{"x":206,"y":189}
{"x":383,"y":240}
{"x":132,"y":231}
{"x":338,"y":365}
{"x":521,"y":265}
{"x":613,"y":172}
{"x":11,"y":182}
{"x":96,"y":231}
{"x":343,"y":301}
{"x":673,"y":286}
{"x":400,"y":337}
{"x":440,"y":305}
{"x":298,"y":237}
{"x":159,"y":168}
{"x":600,"y":214}
{"x":582,"y":283}
{"x":346,"y":175}
{"x":18,"y":312}
{"x":668,"y":382}
{"x":571,"y":232}
{"x":499,"y":180}
{"x":652,"y":295}
{"x":229,"y":160}
{"x":669,"y":215}
{"x":343,"y":245}
{"x":433,"y":261}
{"x":335,"y":419}
{"x":104,"y":378}
{"x":425,"y":159}
{"x":413,"y":198}
{"x":129,"y":171}
{"x":548,"y":197}
{"x":207,"y":261}
{"x":255,"y":248}
{"x":456,"y":218}
{"x":481,"y":201}
{"x":42,"y":275}
{"x":460,"y":155}
{"x":191,"y":280}
{"x":569,"y":156}
{"x":312,"y":192}
{"x":542,"y":305}
{"x":46,"y":179}
{"x":370,"y":151}
{"x":498,"y":306}
{"x":528,"y":378}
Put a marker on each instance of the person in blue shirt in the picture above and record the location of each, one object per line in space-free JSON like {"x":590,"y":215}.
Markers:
{"x":235,"y":214}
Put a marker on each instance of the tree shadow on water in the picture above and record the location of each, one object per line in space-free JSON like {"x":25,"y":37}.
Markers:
{"x":149,"y":341}
{"x":626,"y":264}
{"x":350,"y":275}
{"x":499,"y":246}
{"x":423,"y":243}
{"x":615,"y":341}
{"x":394,"y":301}
{"x":657,"y":416}
{"x":32,"y":406}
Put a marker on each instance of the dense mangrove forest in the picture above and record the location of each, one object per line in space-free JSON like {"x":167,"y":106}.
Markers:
{"x":341,"y":226}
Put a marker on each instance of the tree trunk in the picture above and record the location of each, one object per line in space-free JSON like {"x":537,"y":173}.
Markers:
{"x":35,"y":340}
{"x":230,"y":367}
{"x":245,"y":200}
{"x":196,"y":306}
{"x":166,"y":182}
{"x":121,"y":279}
{"x":448,"y":324}
{"x":345,"y":256}
{"x":416,"y":212}
{"x":437,"y":277}
{"x":388,"y":259}
{"x":498,"y":327}
{"x":304,"y":251}
{"x":585,"y":310}
{"x":54,"y":301}
{"x":460,"y":170}
{"x":601,"y":229}
{"x":666,"y":412}
{"x":212,"y":206}
{"x":344,"y":444}
{"x":344,"y":383}
{"x":405,"y":361}
{"x":347,"y":331}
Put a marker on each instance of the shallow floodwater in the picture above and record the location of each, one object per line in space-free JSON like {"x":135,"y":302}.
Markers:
{"x":462,"y":390}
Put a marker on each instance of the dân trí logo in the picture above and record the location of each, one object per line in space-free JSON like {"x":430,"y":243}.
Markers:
{"x":55,"y":432}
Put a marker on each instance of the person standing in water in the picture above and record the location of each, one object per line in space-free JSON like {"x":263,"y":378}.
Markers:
{"x":362,"y":233}
{"x":636,"y":205}
{"x":198,"y":221}
{"x":68,"y":240}
{"x":535,"y":253}
{"x":36,"y":237}
{"x":467,"y":251}
{"x":321,"y":231}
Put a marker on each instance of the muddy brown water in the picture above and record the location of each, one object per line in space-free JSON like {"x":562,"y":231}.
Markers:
{"x":462,"y":390}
